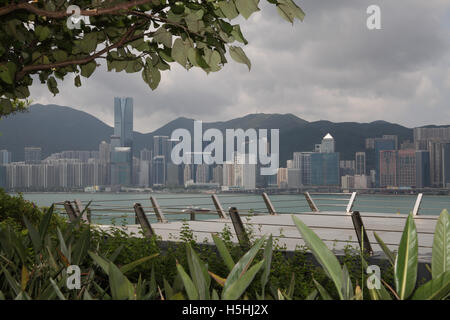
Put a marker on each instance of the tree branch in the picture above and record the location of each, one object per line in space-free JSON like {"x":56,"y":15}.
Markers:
{"x":125,"y":39}
{"x":62,"y":14}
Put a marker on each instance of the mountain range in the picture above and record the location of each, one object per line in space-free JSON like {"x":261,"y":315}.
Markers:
{"x":57,"y":128}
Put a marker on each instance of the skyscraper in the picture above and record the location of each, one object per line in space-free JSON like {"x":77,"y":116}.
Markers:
{"x":382,"y":144}
{"x":406,"y":168}
{"x":388,"y":168}
{"x":123,"y":121}
{"x":422,"y":169}
{"x":5,"y":157}
{"x":33,"y":155}
{"x":328,"y":144}
{"x":360,"y":163}
{"x":122,"y":142}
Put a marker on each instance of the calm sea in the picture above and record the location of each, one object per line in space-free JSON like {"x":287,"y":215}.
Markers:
{"x":118,"y":207}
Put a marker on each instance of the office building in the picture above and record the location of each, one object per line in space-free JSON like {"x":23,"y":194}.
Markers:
{"x":360,"y":163}
{"x":406,"y":168}
{"x":422,"y":169}
{"x":5,"y":157}
{"x":33,"y":155}
{"x":325,"y":169}
{"x":388,"y":168}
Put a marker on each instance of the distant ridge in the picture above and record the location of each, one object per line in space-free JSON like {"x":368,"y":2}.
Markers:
{"x":56,"y":128}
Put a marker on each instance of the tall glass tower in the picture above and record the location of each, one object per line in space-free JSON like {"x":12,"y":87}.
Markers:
{"x":123,"y":121}
{"x":122,"y":142}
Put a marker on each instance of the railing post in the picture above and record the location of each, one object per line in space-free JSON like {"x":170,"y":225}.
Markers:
{"x":79,"y":210}
{"x":269,"y":205}
{"x":192,"y":214}
{"x":242,"y":236}
{"x":351,"y":202}
{"x":361,"y":233}
{"x":311,"y":203}
{"x":143,"y":221}
{"x":417,"y":204}
{"x":158,"y":212}
{"x":70,"y":211}
{"x":219,"y":208}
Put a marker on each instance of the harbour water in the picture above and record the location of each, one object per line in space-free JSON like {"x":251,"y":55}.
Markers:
{"x":118,"y":207}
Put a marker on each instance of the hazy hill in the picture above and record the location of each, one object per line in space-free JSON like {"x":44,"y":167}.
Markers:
{"x":57,"y":128}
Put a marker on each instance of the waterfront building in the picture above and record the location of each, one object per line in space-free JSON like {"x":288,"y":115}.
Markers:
{"x":382,"y":144}
{"x":158,"y":170}
{"x":33,"y":155}
{"x":173,"y":175}
{"x":121,"y":166}
{"x":325,"y":169}
{"x":406,"y":168}
{"x":5,"y":157}
{"x":202,"y":173}
{"x":328,"y":144}
{"x":294,"y":178}
{"x":282,"y":178}
{"x":446,"y":165}
{"x":218,"y":175}
{"x":348,"y":182}
{"x":388,"y":168}
{"x":422,"y":169}
{"x":360,"y":163}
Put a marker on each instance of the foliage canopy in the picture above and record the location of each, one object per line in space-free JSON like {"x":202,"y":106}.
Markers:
{"x":53,"y":38}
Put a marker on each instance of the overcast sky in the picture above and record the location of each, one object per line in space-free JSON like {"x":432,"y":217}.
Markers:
{"x":329,"y":67}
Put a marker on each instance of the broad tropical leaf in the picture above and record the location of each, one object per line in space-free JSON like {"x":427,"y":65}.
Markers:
{"x":440,"y":261}
{"x":405,"y":268}
{"x":323,"y":255}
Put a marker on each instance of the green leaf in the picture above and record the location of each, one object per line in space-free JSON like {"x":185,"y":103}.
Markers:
{"x":389,"y":254}
{"x":243,"y":264}
{"x":436,"y":289}
{"x":8,"y":72}
{"x":223,"y":251}
{"x":247,"y":7}
{"x":199,"y":273}
{"x":88,"y":68}
{"x":405,"y":268}
{"x":237,"y":288}
{"x":102,"y":262}
{"x":89,"y":42}
{"x":151,"y":76}
{"x":237,"y":34}
{"x":52,"y":85}
{"x":163,"y":36}
{"x":229,"y":9}
{"x":179,"y":52}
{"x":34,"y":236}
{"x":58,"y":292}
{"x":121,"y":287}
{"x":312,"y":295}
{"x":347,"y":287}
{"x":188,"y":284}
{"x":268,"y":261}
{"x":323,"y":255}
{"x":42,"y":32}
{"x":323,"y":292}
{"x":130,"y":266}
{"x":77,"y":81}
{"x":440,"y":261}
{"x":60,"y":55}
{"x":238,"y":55}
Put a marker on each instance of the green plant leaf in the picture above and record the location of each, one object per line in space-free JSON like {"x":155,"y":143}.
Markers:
{"x":389,"y":254}
{"x":223,"y":251}
{"x":247,"y":7}
{"x":237,"y":288}
{"x":199,"y":273}
{"x":440,"y":261}
{"x":405,"y":268}
{"x":347,"y":287}
{"x":243,"y":264}
{"x":57,"y":290}
{"x":130,"y":266}
{"x":102,"y":262}
{"x":323,"y":255}
{"x":188,"y":284}
{"x":436,"y":289}
{"x":239,"y":55}
{"x":268,"y":260}
{"x":323,"y":292}
{"x":121,"y":287}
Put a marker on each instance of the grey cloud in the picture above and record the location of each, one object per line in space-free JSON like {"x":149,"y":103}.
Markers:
{"x":328,"y":67}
